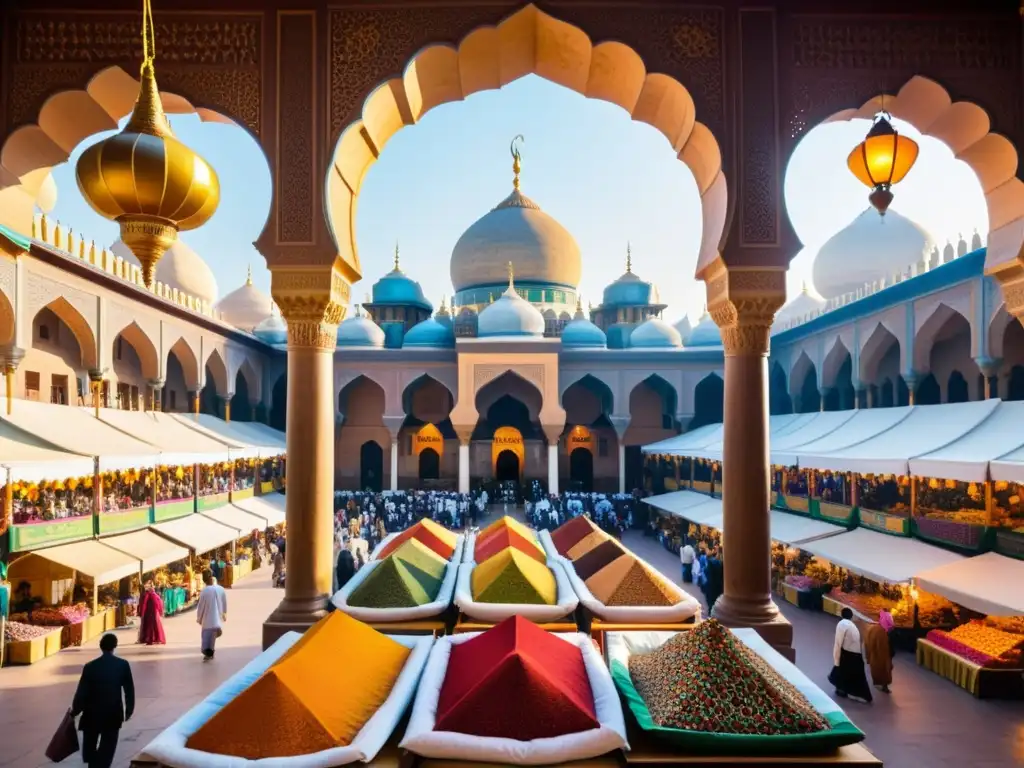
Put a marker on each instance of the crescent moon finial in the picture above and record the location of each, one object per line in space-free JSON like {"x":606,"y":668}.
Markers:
{"x":517,"y":159}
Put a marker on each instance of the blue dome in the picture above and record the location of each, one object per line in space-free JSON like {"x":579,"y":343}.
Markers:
{"x":396,"y":289}
{"x":273,"y":330}
{"x":580,"y":333}
{"x":705,"y":334}
{"x":431,"y":333}
{"x":510,"y":315}
{"x":630,"y":291}
{"x":618,"y":335}
{"x":360,"y":331}
{"x":655,"y":333}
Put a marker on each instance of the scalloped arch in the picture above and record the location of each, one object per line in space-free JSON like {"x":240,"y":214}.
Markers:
{"x":66,"y":119}
{"x":527,"y":42}
{"x":964,"y":127}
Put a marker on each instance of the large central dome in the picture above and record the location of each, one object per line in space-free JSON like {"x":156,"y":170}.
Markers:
{"x":517,"y":231}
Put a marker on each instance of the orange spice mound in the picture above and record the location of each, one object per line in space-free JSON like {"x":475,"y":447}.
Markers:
{"x":313,"y":698}
{"x":628,"y":581}
{"x":571,"y":532}
{"x":507,"y":522}
{"x":593,"y":539}
{"x":427,"y":532}
{"x":503,"y":539}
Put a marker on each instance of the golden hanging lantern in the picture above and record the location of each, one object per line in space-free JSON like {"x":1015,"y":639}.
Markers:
{"x":884,"y":158}
{"x":143,"y":178}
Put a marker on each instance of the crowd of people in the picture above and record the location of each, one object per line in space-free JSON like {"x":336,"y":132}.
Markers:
{"x":612,"y":513}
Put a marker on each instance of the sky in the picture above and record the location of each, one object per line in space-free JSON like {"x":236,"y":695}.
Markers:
{"x":610,"y":181}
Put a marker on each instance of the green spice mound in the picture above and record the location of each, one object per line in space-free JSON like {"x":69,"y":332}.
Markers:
{"x":395,"y":583}
{"x":707,"y":680}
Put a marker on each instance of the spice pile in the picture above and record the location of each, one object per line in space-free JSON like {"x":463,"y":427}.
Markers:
{"x":510,"y":523}
{"x":317,"y":696}
{"x":16,"y":631}
{"x":513,"y":577}
{"x":503,"y":538}
{"x":592,"y":540}
{"x":56,"y":616}
{"x":571,"y":532}
{"x":408,"y":577}
{"x":982,"y":644}
{"x":426,"y":531}
{"x":516,"y":681}
{"x":629,"y":581}
{"x":708,"y":680}
{"x":603,"y":554}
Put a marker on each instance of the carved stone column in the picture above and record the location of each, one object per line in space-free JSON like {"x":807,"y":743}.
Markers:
{"x":10,"y":357}
{"x":743,"y":302}
{"x":96,"y":382}
{"x":156,"y":388}
{"x":312,"y":301}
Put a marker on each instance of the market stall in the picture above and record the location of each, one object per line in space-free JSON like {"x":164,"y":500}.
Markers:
{"x":270,"y":507}
{"x":163,"y":562}
{"x":61,"y":587}
{"x":1007,"y":474}
{"x":209,"y":541}
{"x":175,"y":491}
{"x":267,"y":443}
{"x":244,"y":554}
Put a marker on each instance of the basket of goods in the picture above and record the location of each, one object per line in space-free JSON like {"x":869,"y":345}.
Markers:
{"x":805,"y":583}
{"x":513,"y":582}
{"x":515,"y":695}
{"x":569,"y":534}
{"x":436,"y":537}
{"x":411,"y":583}
{"x":303,"y":703}
{"x":981,"y":644}
{"x":710,"y":689}
{"x":504,"y":532}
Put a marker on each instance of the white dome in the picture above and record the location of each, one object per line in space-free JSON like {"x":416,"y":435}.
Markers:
{"x":180,"y":267}
{"x":869,"y":248}
{"x":517,"y":231}
{"x":684,"y":327}
{"x":273,"y":330}
{"x":655,"y":333}
{"x":510,"y":315}
{"x":360,"y":331}
{"x":798,"y":309}
{"x":245,"y":307}
{"x":705,"y":333}
{"x":46,"y":198}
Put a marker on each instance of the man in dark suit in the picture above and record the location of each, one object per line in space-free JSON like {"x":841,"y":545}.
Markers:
{"x":98,"y":700}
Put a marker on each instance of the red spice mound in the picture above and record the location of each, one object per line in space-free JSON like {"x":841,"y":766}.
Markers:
{"x":516,"y":681}
{"x":572,"y":532}
{"x":597,"y":558}
{"x":503,"y":539}
{"x":422,"y":534}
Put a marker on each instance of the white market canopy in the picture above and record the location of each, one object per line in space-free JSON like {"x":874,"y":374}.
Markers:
{"x":926,"y":428}
{"x":679,"y":445}
{"x":990,"y":584}
{"x":820,"y":425}
{"x":237,"y":518}
{"x":879,"y":556}
{"x":864,"y":425}
{"x":30,"y":460}
{"x":198,"y":532}
{"x":995,"y":446}
{"x":76,"y":430}
{"x":681,"y":503}
{"x":177,"y":444}
{"x":259,"y":439}
{"x":99,"y":562}
{"x":270,"y":507}
{"x":149,"y":548}
{"x":781,"y":424}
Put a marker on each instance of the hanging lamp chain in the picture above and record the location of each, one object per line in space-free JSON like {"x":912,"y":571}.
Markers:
{"x":148,"y":36}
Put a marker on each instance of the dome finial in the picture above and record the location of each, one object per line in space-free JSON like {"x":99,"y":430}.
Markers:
{"x":396,"y":257}
{"x":803,"y":288}
{"x":517,"y":160}
{"x":629,"y":258}
{"x":248,"y":275}
{"x":511,"y":277}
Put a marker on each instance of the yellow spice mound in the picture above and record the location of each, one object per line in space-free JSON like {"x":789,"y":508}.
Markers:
{"x":313,"y":698}
{"x":507,"y":522}
{"x":513,"y":577}
{"x":448,"y":537}
{"x":587,"y":543}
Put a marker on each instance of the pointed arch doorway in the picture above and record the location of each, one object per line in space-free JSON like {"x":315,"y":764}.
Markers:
{"x":371,"y":466}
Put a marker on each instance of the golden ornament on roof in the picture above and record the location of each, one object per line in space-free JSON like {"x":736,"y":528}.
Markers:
{"x":143,"y":178}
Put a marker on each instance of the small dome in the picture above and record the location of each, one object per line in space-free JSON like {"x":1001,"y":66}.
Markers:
{"x":798,"y":309}
{"x":181,"y":268}
{"x":432,"y":332}
{"x":510,"y":315}
{"x":655,"y":333}
{"x":272,"y":330}
{"x":629,"y":290}
{"x":396,"y":289}
{"x":360,"y":331}
{"x":705,"y":334}
{"x":516,"y":230}
{"x":869,"y":248}
{"x":580,"y":333}
{"x":684,"y":327}
{"x":244,"y":307}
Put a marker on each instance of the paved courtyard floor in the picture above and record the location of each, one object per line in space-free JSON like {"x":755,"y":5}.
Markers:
{"x":926,"y":722}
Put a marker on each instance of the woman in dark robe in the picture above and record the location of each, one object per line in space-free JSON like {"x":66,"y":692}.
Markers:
{"x":848,"y":675}
{"x":877,"y":653}
{"x":151,"y":612}
{"x":346,"y":567}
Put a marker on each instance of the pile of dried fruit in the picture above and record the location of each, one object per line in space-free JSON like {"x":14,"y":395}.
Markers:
{"x":708,"y":680}
{"x":57,"y":616}
{"x":15,"y":631}
{"x":991,"y":647}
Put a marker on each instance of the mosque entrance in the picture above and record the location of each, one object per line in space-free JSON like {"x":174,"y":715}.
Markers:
{"x":371,"y":466}
{"x":506,"y":467}
{"x":430,"y":464}
{"x":581,"y":469}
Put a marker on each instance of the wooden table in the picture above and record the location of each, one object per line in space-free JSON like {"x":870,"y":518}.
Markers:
{"x":466,"y":624}
{"x":434,"y":627}
{"x":598,"y":629}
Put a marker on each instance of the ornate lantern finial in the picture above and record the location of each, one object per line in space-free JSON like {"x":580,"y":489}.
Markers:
{"x":143,"y":178}
{"x":511,"y":277}
{"x":248,"y":275}
{"x":396,"y":257}
{"x":517,"y":160}
{"x":629,"y":258}
{"x":884,"y":158}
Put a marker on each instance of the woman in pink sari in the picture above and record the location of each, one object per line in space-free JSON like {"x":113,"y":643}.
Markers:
{"x":151,"y":612}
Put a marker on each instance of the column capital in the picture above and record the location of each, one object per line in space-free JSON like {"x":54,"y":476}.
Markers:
{"x":464,"y":432}
{"x":553,"y":432}
{"x":989,"y":366}
{"x":394,"y":425}
{"x":912,"y":378}
{"x":743,"y":301}
{"x":96,"y":374}
{"x":620,"y":423}
{"x":11,"y":357}
{"x":156,"y":383}
{"x":313,"y":301}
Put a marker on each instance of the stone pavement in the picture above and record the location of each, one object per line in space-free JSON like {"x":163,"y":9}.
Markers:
{"x":925,"y":723}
